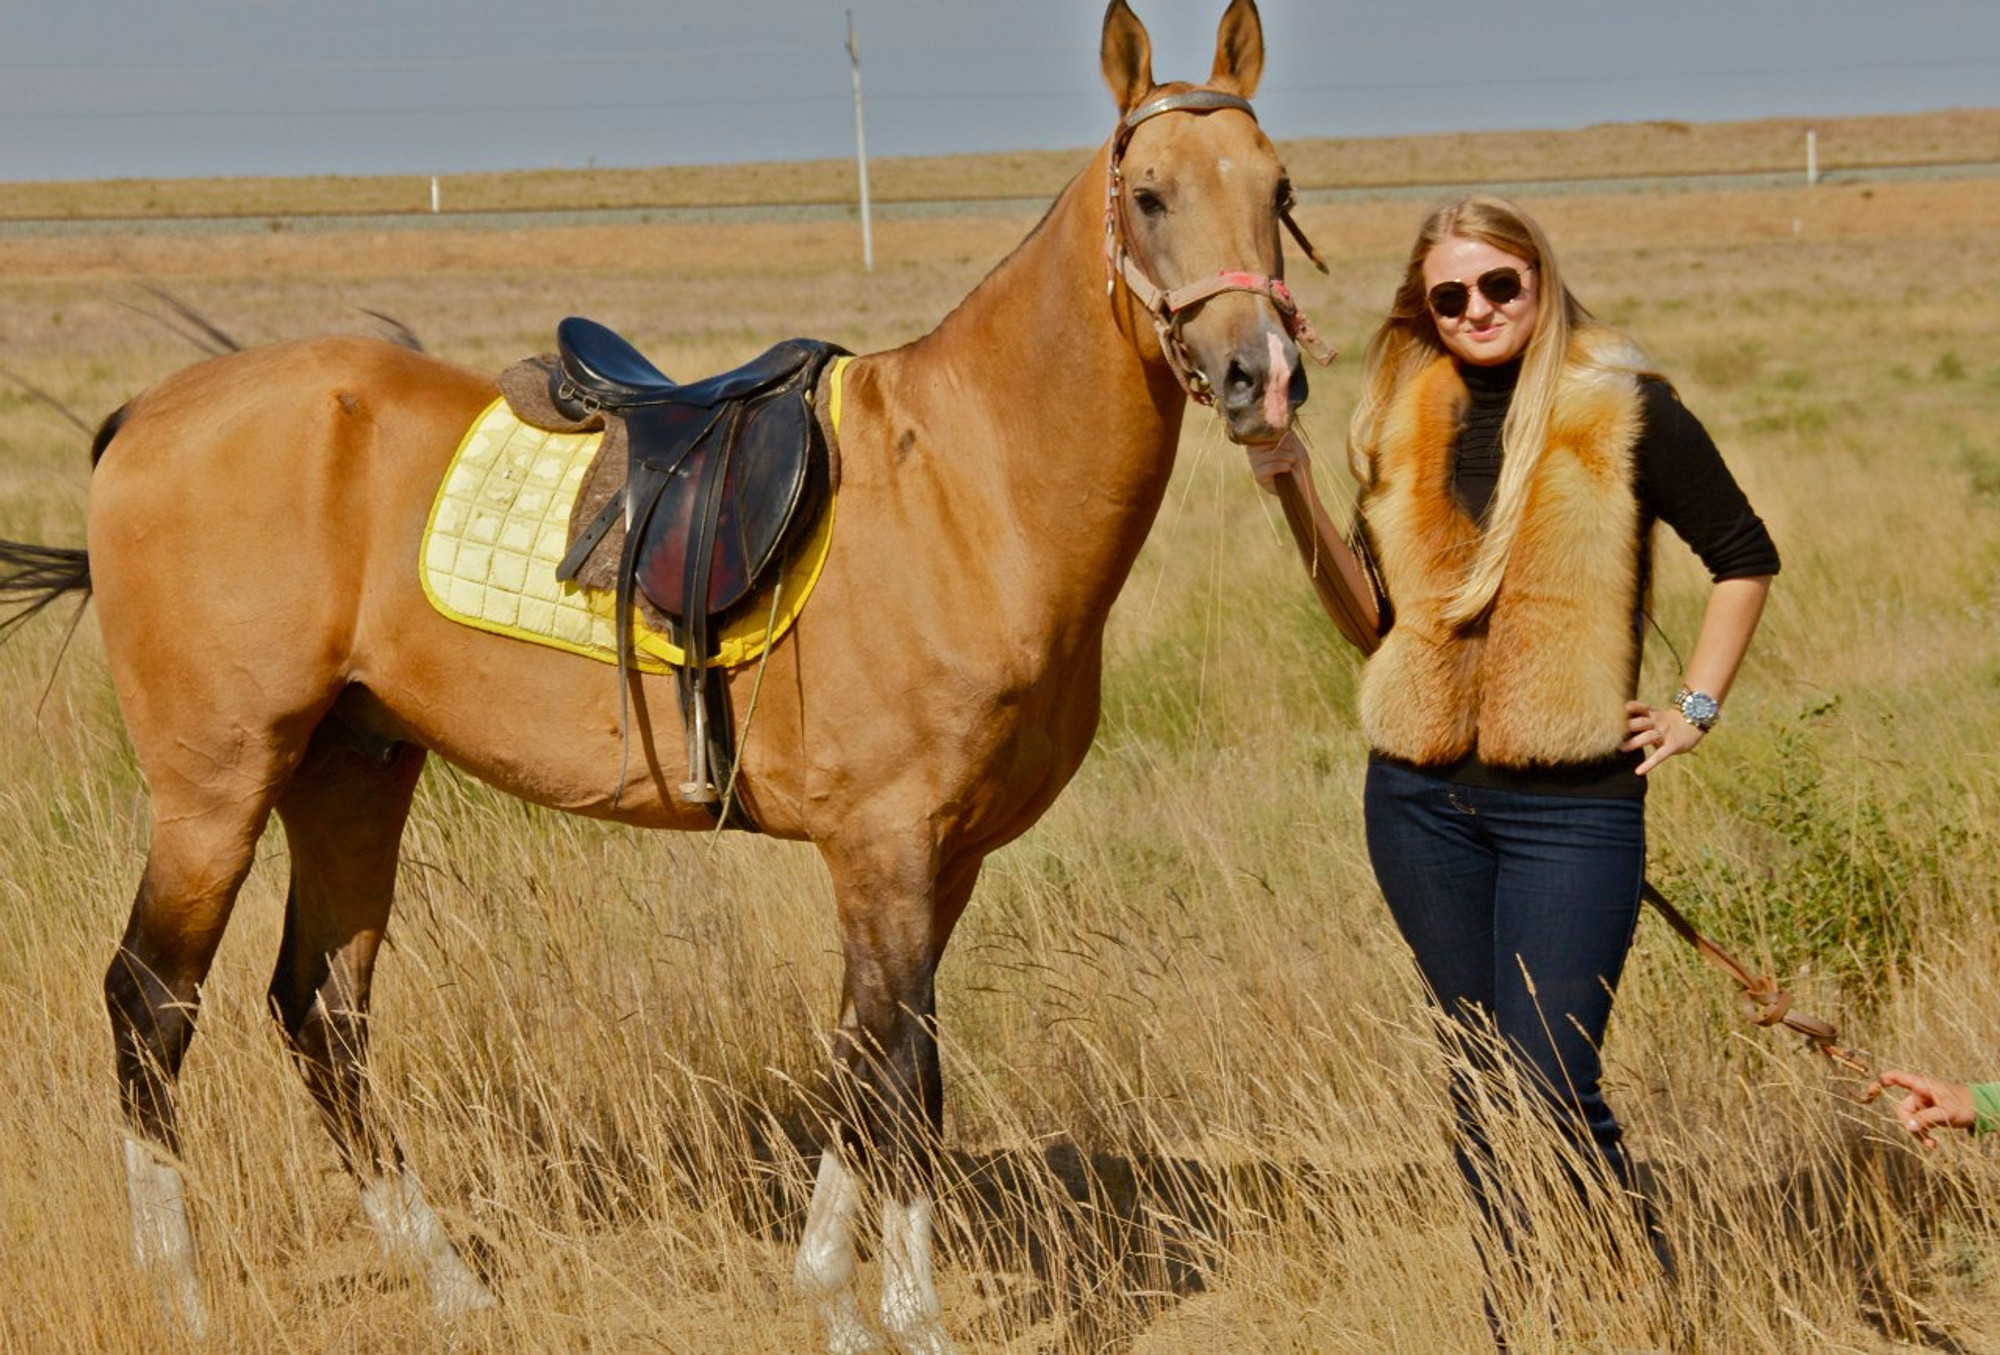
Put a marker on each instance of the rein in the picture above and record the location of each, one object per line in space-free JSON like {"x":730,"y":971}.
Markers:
{"x":1764,"y":1002}
{"x":1170,"y":307}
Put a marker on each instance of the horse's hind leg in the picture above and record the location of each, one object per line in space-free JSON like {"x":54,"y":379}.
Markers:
{"x":343,"y":813}
{"x":204,"y":838}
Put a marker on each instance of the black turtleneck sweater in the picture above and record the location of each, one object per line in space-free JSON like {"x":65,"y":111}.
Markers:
{"x":1681,"y":480}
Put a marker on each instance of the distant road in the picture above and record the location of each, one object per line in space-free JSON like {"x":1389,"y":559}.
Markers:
{"x":891,"y":211}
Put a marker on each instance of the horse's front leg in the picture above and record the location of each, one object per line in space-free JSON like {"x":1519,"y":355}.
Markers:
{"x":824,"y":1268}
{"x":888,"y":1098}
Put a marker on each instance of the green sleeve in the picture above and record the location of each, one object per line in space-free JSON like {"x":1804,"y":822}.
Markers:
{"x":1985,"y":1107}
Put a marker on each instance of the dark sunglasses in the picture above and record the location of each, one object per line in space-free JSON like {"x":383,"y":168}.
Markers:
{"x":1448,"y":300}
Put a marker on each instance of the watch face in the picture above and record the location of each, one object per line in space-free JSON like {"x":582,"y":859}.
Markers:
{"x":1700,"y":708}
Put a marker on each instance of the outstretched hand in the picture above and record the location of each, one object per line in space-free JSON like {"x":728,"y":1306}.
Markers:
{"x":1932,"y":1103}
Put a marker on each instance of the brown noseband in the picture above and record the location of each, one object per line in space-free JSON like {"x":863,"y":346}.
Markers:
{"x":1171,"y":307}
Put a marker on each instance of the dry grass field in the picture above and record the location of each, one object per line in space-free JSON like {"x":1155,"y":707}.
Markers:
{"x":1194,"y":1105}
{"x":1618,"y":149}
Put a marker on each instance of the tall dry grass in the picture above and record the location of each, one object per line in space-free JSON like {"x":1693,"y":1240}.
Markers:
{"x":1195,"y":1103}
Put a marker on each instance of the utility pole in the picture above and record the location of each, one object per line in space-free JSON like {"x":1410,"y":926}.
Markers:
{"x":860,"y":149}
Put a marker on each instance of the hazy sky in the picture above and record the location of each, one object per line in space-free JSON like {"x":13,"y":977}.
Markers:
{"x":117,"y":88}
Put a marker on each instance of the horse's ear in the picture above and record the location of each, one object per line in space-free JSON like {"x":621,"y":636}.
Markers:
{"x":1128,"y":56}
{"x":1239,"y":50}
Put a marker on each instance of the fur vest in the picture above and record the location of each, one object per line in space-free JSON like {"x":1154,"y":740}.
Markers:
{"x":1543,"y":677}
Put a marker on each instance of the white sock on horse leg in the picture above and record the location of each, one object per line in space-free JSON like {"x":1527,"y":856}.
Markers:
{"x":824,"y":1269}
{"x":162,"y":1244}
{"x":910,"y":1307}
{"x":412,"y":1236}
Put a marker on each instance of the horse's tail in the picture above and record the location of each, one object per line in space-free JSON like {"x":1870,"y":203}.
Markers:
{"x":32,"y":577}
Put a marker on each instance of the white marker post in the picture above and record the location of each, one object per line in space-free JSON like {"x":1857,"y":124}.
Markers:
{"x":1812,"y":156}
{"x":860,"y":149}
{"x":434,"y":194}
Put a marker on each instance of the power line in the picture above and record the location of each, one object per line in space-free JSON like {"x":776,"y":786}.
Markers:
{"x":1628,"y":76}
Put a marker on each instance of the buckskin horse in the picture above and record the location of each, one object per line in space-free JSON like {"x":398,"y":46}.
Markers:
{"x":253,"y":524}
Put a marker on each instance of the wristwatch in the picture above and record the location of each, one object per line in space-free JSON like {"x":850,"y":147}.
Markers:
{"x":1698,"y":708}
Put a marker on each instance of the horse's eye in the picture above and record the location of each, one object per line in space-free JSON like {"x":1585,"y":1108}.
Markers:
{"x":1149,"y":202}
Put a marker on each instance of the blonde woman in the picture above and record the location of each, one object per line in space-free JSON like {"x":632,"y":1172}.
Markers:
{"x":1513,"y":456}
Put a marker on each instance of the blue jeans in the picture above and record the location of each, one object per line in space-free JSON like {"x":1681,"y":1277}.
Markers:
{"x":1519,"y":909}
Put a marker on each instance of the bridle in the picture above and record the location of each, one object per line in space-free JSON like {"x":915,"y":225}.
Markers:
{"x":1169,"y":308}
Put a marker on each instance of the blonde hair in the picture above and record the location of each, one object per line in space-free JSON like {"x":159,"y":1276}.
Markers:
{"x":1407,"y":342}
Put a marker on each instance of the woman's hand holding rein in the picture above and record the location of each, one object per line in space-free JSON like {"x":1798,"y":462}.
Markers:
{"x":1272,"y":459}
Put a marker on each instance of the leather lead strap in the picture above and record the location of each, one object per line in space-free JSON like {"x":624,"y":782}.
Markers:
{"x":1765,"y":1003}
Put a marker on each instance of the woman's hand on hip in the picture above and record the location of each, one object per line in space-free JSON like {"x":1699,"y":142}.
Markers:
{"x":1662,"y":733}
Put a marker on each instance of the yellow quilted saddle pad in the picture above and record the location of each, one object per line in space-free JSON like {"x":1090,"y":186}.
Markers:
{"x":500,"y":526}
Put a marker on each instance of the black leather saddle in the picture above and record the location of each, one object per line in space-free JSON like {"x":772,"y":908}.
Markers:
{"x":721,"y":474}
{"x":607,"y":370}
{"x":719,"y":471}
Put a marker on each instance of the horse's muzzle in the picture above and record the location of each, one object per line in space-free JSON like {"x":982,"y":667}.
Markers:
{"x":1260,"y":391}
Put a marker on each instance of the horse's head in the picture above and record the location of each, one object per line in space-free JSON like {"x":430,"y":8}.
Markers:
{"x":1195,"y":197}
